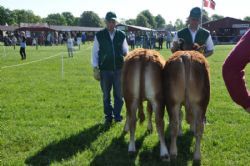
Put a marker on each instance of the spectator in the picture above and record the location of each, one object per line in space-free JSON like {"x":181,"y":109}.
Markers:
{"x":132,"y":40}
{"x":23,"y":46}
{"x":70,"y":45}
{"x":14,"y":41}
{"x":168,"y":39}
{"x":160,"y":40}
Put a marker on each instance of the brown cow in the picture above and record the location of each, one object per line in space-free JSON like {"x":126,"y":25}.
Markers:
{"x":142,"y":80}
{"x":186,"y":82}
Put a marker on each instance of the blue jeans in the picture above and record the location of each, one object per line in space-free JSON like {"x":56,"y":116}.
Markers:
{"x":111,"y":79}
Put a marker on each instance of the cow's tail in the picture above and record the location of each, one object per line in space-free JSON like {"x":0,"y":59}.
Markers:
{"x":187,"y":65}
{"x":141,"y":114}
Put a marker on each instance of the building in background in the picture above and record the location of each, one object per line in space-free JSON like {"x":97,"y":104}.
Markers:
{"x":227,"y":30}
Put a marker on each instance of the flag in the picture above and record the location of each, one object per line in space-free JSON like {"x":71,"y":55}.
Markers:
{"x":209,"y":3}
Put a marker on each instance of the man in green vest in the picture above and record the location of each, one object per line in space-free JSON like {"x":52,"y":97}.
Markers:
{"x":194,"y":34}
{"x":110,"y":47}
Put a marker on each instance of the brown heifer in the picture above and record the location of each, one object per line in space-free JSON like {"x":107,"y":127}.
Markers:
{"x":186,"y":82}
{"x":142,"y":80}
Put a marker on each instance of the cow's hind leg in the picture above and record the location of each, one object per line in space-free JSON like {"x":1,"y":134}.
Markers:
{"x":149,"y":111}
{"x":159,"y":119}
{"x":199,"y":127}
{"x":174,"y":128}
{"x":131,"y":111}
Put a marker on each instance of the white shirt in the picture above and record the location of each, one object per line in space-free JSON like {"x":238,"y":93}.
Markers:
{"x":96,"y":45}
{"x":209,"y":43}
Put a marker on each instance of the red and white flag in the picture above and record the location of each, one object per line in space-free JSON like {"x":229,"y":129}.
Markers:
{"x":209,"y":3}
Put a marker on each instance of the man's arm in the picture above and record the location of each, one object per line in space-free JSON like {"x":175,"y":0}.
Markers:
{"x":208,"y":53}
{"x":125,"y":48}
{"x":209,"y":46}
{"x":94,"y":58}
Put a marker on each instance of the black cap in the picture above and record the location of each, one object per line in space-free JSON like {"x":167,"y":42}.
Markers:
{"x":110,"y":16}
{"x":195,"y":13}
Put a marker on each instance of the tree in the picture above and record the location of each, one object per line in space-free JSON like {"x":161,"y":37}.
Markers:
{"x":76,"y":21}
{"x":55,"y":19}
{"x":25,"y":16}
{"x":170,"y":26}
{"x":205,"y":17}
{"x":141,"y":20}
{"x":5,"y":16}
{"x":247,"y":18}
{"x":179,"y":24}
{"x":160,"y":21}
{"x":131,"y":22}
{"x":216,"y":17}
{"x":90,"y":19}
{"x":150,"y":18}
{"x":70,"y":19}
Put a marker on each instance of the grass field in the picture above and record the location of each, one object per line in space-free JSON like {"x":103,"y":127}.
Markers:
{"x":50,"y":117}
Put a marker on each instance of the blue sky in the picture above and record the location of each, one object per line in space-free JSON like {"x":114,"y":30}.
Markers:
{"x":170,"y":10}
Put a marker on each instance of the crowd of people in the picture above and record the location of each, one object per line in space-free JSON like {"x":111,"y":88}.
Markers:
{"x":43,"y":38}
{"x":150,"y":39}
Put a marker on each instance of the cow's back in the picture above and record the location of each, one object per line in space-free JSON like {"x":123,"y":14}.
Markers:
{"x":186,"y":79}
{"x":142,"y":75}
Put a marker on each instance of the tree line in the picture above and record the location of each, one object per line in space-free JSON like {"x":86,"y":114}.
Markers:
{"x":91,"y":19}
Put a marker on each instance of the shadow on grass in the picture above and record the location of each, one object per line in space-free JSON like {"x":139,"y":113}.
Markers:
{"x":117,"y":152}
{"x":152,"y":157}
{"x":67,"y":148}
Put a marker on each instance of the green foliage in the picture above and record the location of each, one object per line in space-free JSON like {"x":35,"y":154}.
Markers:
{"x":26,"y":16}
{"x":15,"y":17}
{"x":90,"y":19}
{"x":47,"y":118}
{"x":247,"y":18}
{"x":130,"y":22}
{"x":179,"y":24}
{"x":160,"y":21}
{"x":141,"y":20}
{"x":56,"y":19}
{"x":149,"y":17}
{"x":216,"y":17}
{"x":70,"y":19}
{"x":205,"y":17}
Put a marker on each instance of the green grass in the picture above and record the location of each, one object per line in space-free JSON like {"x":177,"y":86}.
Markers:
{"x":52,"y":119}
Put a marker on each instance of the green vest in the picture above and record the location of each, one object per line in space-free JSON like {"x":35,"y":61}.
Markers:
{"x":110,"y":53}
{"x":200,"y":37}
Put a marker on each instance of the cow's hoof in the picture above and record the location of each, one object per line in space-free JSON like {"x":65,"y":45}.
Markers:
{"x":132,"y":154}
{"x":165,"y":158}
{"x":173,"y":157}
{"x":196,"y":162}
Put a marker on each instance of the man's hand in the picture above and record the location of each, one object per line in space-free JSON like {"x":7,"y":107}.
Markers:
{"x":96,"y":73}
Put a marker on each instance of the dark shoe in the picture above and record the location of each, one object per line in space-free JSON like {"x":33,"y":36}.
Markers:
{"x":118,"y":119}
{"x":108,"y":121}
